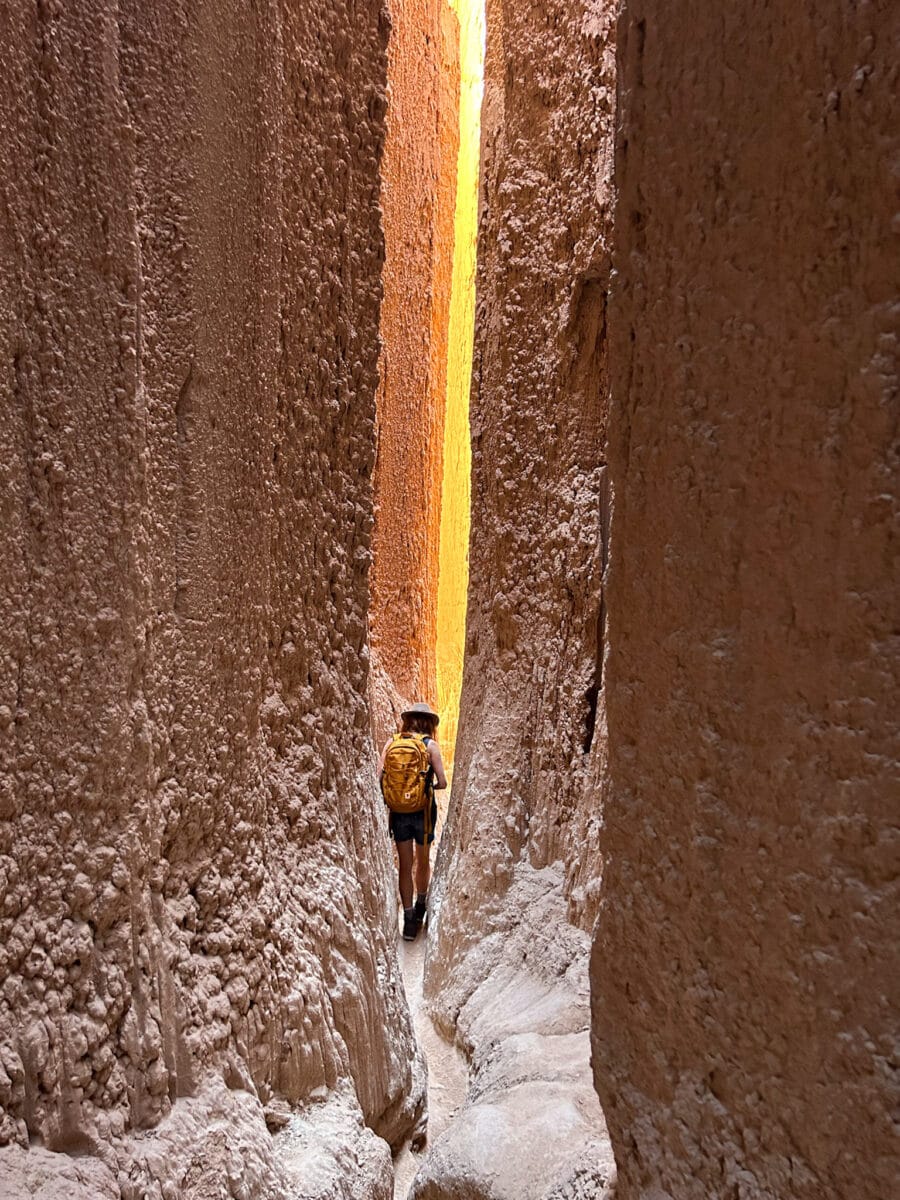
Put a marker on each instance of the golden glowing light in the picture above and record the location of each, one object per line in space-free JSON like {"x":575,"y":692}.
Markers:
{"x":453,"y":576}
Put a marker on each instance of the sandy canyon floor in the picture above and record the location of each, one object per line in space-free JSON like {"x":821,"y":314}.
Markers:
{"x":447,"y":1071}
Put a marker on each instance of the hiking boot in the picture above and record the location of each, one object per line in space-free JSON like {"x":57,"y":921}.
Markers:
{"x":410,"y":925}
{"x":420,"y":908}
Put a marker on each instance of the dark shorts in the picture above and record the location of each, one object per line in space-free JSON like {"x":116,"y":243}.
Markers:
{"x":406,"y":827}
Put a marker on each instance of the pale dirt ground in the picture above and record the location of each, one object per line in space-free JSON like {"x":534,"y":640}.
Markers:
{"x":447,"y":1071}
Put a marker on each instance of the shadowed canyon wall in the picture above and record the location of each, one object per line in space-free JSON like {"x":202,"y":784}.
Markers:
{"x":195,"y":918}
{"x":741,"y":985}
{"x":506,"y":973}
{"x":418,"y":199}
{"x":538,"y":433}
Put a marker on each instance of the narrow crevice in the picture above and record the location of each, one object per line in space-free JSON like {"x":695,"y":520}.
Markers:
{"x":187,"y":515}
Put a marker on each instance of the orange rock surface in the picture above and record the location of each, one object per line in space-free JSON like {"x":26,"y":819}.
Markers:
{"x":417,"y":200}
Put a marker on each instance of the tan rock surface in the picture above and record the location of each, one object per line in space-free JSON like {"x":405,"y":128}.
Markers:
{"x":327,"y":1153}
{"x":193,"y":882}
{"x":742,"y":969}
{"x":530,"y":693}
{"x":531,"y":1128}
{"x":385,"y":702}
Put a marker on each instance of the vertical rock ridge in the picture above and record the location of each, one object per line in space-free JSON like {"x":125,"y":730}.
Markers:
{"x":518,"y":869}
{"x":538,"y":434}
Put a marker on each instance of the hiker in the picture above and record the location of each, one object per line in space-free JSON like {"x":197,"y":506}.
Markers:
{"x":410,"y":770}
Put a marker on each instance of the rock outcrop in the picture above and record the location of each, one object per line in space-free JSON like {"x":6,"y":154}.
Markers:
{"x":530,"y":736}
{"x":195,"y":916}
{"x":742,"y":990}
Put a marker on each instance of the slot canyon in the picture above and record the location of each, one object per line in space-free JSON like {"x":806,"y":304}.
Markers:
{"x":537,"y":361}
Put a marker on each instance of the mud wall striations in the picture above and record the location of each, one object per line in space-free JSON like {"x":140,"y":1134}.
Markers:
{"x":530,"y":689}
{"x":740,"y":976}
{"x":418,"y":199}
{"x":192,"y":885}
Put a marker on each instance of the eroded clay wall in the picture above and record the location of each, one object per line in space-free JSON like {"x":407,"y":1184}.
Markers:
{"x":417,"y":198}
{"x":530,"y":729}
{"x":192,"y":885}
{"x":741,"y":981}
{"x":507,"y":963}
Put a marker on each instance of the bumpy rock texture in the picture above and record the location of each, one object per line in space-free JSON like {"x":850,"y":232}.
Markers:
{"x":741,"y":984}
{"x":194,"y":911}
{"x":418,"y":198}
{"x":538,"y":424}
{"x":532,"y":1127}
{"x":530,"y":737}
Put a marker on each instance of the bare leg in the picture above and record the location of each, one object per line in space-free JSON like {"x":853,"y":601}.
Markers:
{"x":423,"y":868}
{"x":405,"y":855}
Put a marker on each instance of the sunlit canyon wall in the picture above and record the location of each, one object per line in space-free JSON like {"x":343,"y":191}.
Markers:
{"x":453,"y":566}
{"x":195,"y":920}
{"x":741,"y":976}
{"x":418,"y":197}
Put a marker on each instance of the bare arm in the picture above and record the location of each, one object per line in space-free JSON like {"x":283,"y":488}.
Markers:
{"x":434,"y":754}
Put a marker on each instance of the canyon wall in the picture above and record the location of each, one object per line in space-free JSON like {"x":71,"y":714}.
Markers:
{"x":418,"y":198}
{"x":517,"y":875}
{"x":195,"y":918}
{"x":529,"y":739}
{"x":741,"y":986}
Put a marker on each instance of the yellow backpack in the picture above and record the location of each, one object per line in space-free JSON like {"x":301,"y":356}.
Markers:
{"x":406,"y":781}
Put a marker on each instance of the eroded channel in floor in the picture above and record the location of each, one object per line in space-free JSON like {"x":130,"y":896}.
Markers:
{"x":447,"y":1070}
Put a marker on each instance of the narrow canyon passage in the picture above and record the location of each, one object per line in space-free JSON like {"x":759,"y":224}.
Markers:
{"x":537,"y":361}
{"x":447,"y":1070}
{"x":505,"y":974}
{"x":429,"y":202}
{"x":429,"y":196}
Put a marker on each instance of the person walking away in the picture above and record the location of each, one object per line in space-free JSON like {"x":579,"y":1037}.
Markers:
{"x":411,"y":768}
